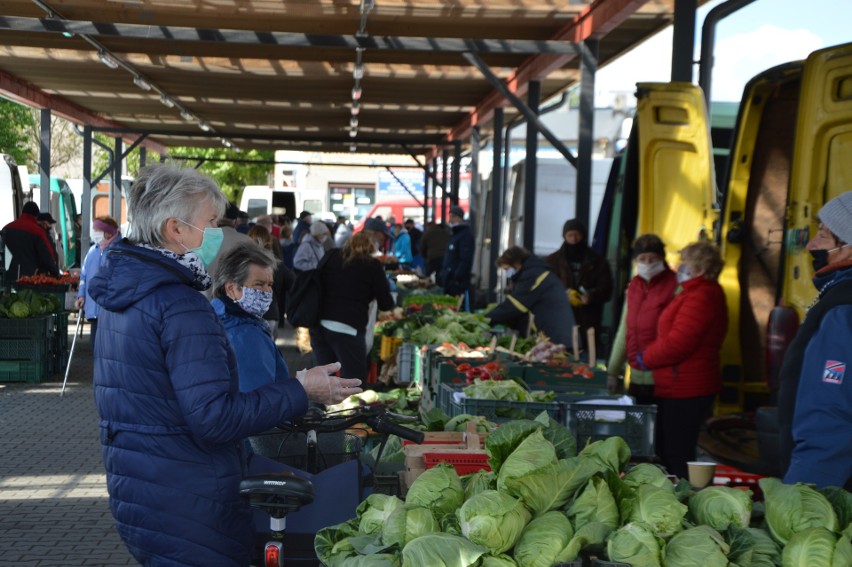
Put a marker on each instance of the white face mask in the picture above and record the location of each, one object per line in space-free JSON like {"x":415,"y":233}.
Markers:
{"x":648,"y":271}
{"x":511,"y":271}
{"x":97,"y":236}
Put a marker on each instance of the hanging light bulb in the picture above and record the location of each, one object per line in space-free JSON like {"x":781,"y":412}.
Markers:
{"x":353,"y":147}
{"x":358,"y":72}
{"x":226,"y":143}
{"x":204,"y":126}
{"x":142,"y":83}
{"x":186,"y":115}
{"x":167,"y":101}
{"x":356,"y":109}
{"x":353,"y":132}
{"x":353,"y":122}
{"x":356,"y":93}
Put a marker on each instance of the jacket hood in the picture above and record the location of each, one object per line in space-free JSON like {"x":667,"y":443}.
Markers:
{"x":129,"y":273}
{"x":460,"y":228}
{"x":232,"y":315}
{"x":833,"y":274}
{"x":531,"y":269}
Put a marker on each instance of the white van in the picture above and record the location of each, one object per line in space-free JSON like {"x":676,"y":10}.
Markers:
{"x":264,"y":200}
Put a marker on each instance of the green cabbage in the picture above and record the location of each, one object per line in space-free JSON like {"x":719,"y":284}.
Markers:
{"x":553,"y":485}
{"x":374,"y":560}
{"x":841,"y":501}
{"x":533,"y":453}
{"x":332,"y":544}
{"x":558,"y":435}
{"x":19,"y":310}
{"x":589,"y":537}
{"x":816,"y":547}
{"x":752,"y":547}
{"x":501,"y":560}
{"x":374,"y":512}
{"x":475,"y":483}
{"x":721,"y":506}
{"x":636,"y":544}
{"x":701,"y":546}
{"x":441,"y":550}
{"x":646,"y":473}
{"x":405,"y":524}
{"x":611,"y":453}
{"x":792,"y":508}
{"x":459,"y":423}
{"x":506,"y":438}
{"x":594,"y":503}
{"x":493,"y":519}
{"x":542,"y":540}
{"x":439,"y":489}
{"x":657,"y":508}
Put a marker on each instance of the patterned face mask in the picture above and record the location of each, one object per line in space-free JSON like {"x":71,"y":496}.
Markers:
{"x":255,"y":301}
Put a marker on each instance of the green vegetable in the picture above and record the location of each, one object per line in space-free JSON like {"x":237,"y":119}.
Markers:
{"x":646,"y":473}
{"x":475,"y":483}
{"x":441,"y":550}
{"x":439,"y":489}
{"x":407,"y":523}
{"x":507,"y":390}
{"x":501,"y":560}
{"x":636,"y":544}
{"x":506,"y":438}
{"x":612,"y":453}
{"x":332,"y":544}
{"x":494,"y":520}
{"x":701,"y":546}
{"x":794,"y":508}
{"x":533,"y":453}
{"x":558,"y":435}
{"x":551,"y":486}
{"x":594,"y":503}
{"x":459,"y":423}
{"x":373,"y":560}
{"x":841,"y":501}
{"x":752,"y":547}
{"x":19,"y":310}
{"x":543,"y":539}
{"x":591,"y":537}
{"x":721,"y":506}
{"x":374,"y":512}
{"x":817,"y":547}
{"x":656,"y":508}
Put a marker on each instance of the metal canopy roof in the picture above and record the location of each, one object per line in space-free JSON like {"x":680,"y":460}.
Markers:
{"x":280,"y":74}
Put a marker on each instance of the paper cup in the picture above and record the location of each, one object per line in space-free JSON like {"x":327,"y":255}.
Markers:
{"x":700,"y":473}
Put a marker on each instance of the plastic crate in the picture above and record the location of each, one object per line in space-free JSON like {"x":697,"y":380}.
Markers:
{"x":636,"y":427}
{"x":546,"y":376}
{"x":575,"y":563}
{"x":21,"y":371}
{"x":388,"y":347}
{"x":603,"y":563}
{"x":464,"y":463}
{"x":26,"y":350}
{"x":496,"y":410}
{"x":407,"y":364}
{"x":31,"y":327}
{"x":734,"y":477}
{"x":389,"y":483}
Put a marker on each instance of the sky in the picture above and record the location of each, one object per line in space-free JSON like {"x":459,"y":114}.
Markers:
{"x":764,"y":34}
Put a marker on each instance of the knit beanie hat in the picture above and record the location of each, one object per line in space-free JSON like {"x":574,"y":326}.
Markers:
{"x":649,"y":243}
{"x":30,"y":208}
{"x":574,"y":224}
{"x":836,"y":215}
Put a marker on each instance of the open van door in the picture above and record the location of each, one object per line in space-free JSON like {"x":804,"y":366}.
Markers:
{"x":677,"y":187}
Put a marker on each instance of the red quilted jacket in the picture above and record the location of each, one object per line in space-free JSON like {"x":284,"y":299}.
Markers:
{"x":685,"y":355}
{"x":645,"y":303}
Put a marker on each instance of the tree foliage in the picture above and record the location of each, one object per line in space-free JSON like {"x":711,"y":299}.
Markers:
{"x":15,"y":119}
{"x":65,"y":144}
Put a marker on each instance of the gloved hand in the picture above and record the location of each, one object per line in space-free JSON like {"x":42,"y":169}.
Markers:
{"x":575,"y":298}
{"x":324,"y":388}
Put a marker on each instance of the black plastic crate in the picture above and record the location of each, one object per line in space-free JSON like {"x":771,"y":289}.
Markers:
{"x":635,"y":424}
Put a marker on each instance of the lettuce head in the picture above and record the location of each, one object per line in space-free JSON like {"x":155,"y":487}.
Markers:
{"x":543,"y":539}
{"x":439,"y":489}
{"x":701,"y":546}
{"x":655,"y":507}
{"x":721,"y":506}
{"x":494,"y":520}
{"x":636,"y":544}
{"x":407,"y":523}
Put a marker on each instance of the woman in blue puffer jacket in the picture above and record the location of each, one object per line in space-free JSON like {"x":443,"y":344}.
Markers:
{"x":172,"y":416}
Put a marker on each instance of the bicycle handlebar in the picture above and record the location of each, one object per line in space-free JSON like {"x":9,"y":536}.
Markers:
{"x":377,"y":417}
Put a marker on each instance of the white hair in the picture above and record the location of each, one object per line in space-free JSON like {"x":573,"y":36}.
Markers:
{"x":162,"y":192}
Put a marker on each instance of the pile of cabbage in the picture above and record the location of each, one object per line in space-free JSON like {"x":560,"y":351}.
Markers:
{"x":543,"y":504}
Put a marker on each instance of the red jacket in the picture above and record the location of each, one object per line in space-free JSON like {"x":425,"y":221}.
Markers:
{"x":685,"y":355}
{"x":645,"y":301}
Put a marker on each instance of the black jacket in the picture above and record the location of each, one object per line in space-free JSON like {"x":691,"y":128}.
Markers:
{"x":458,"y":261}
{"x":538,"y":291}
{"x":30,"y":248}
{"x":348,"y":289}
{"x":595,"y":278}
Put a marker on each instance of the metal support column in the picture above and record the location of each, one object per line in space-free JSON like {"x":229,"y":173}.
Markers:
{"x":531,"y":167}
{"x":496,"y":199}
{"x":473,"y":191}
{"x":425,"y":197}
{"x":683,"y":39}
{"x":585,"y":145}
{"x":115,"y":185}
{"x":86,"y":205}
{"x":456,"y":173}
{"x":432,"y":169}
{"x":445,"y":207}
{"x":44,"y":161}
{"x":143,"y":156}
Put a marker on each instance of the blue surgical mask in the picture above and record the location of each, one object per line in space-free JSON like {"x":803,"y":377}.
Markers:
{"x":511,"y":272}
{"x":211,"y":243}
{"x":683,"y":274}
{"x":255,"y":301}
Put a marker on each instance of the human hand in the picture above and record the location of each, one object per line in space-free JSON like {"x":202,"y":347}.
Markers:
{"x":575,"y":298}
{"x":322,"y":387}
{"x":80,"y":302}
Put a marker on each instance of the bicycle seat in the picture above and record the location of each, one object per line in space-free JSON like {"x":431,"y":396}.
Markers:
{"x":277,"y":493}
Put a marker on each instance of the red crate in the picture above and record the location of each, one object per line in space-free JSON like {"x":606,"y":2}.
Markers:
{"x":734,"y":477}
{"x":464,"y":463}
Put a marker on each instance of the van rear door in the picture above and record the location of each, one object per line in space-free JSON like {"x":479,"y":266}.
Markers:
{"x":676,"y":175}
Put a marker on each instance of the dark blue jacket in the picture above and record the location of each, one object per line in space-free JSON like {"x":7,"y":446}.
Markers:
{"x":172,"y":416}
{"x":538,"y":291}
{"x":258,"y":359}
{"x":458,"y":261}
{"x":823,"y":415}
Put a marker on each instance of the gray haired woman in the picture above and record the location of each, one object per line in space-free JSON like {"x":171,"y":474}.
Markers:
{"x":167,"y":386}
{"x":311,"y":249}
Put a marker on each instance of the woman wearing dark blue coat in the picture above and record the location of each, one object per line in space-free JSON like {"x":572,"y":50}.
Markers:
{"x":172,"y":416}
{"x":538,"y":292}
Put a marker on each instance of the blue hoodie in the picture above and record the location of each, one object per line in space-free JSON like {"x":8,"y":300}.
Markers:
{"x":172,"y":416}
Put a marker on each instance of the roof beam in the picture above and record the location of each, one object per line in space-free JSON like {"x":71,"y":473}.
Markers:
{"x":22,"y":92}
{"x":595,"y":21}
{"x":175,"y":34}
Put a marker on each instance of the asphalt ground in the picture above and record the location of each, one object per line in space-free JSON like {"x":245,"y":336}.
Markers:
{"x":54,"y":508}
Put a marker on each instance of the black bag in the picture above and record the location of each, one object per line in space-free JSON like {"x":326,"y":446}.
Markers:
{"x":303,"y":297}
